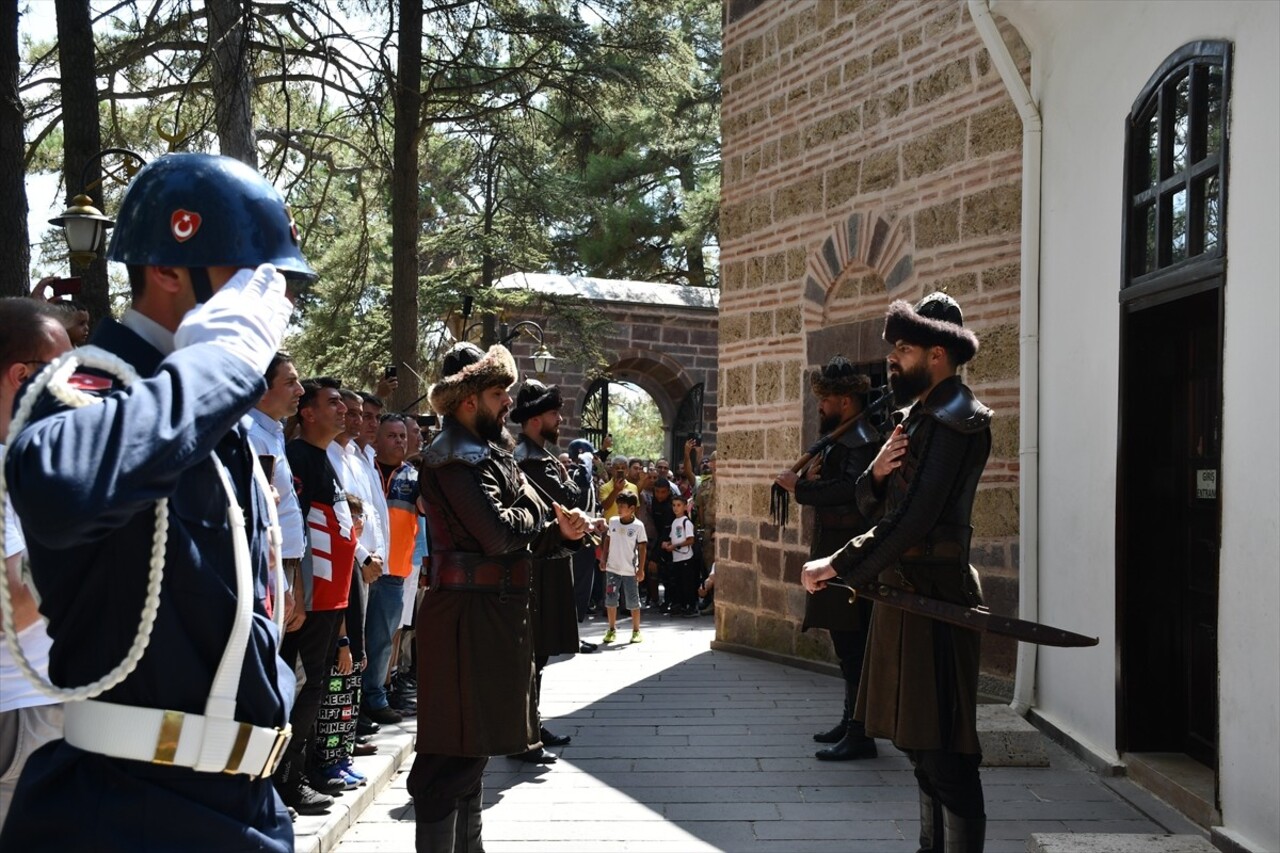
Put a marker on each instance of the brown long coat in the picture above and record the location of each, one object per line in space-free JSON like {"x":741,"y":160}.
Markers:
{"x":919,"y":685}
{"x":475,"y":650}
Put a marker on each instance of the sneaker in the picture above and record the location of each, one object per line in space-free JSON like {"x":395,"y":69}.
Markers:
{"x":306,"y":800}
{"x":352,"y":773}
{"x":402,"y":703}
{"x":331,"y":780}
{"x":636,"y":638}
{"x":610,"y":636}
{"x":383,"y":715}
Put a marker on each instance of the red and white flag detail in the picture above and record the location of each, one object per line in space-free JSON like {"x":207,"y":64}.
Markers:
{"x":184,"y":224}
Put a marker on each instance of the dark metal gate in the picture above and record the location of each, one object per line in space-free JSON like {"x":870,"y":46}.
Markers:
{"x":594,"y":416}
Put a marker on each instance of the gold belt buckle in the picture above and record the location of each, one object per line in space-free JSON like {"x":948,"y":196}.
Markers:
{"x":167,"y":740}
{"x":277,"y":751}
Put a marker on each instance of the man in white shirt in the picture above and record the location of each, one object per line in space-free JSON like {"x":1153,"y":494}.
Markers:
{"x":356,"y":477}
{"x":266,"y":434}
{"x":31,"y":335}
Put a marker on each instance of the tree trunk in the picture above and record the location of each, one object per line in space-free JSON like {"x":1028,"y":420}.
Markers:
{"x":404,"y":203}
{"x":15,"y":246}
{"x":81,"y":135}
{"x":693,"y":250}
{"x":231,"y":80}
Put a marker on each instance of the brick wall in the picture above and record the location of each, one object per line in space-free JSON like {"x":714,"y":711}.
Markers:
{"x":663,"y":349}
{"x":870,"y":153}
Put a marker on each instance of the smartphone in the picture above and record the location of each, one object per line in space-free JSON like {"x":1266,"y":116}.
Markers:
{"x":697,"y":439}
{"x":66,"y":286}
{"x":390,"y":372}
{"x":268,"y":466}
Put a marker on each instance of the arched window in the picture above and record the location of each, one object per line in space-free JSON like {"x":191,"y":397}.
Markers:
{"x":1175,"y":197}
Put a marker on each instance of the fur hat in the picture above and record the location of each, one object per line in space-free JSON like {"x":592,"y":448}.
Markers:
{"x":839,"y":379}
{"x":468,"y":370}
{"x":534,"y":399}
{"x":935,"y":321}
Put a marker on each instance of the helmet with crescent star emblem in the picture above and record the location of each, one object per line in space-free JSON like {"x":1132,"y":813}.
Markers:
{"x":205,"y":210}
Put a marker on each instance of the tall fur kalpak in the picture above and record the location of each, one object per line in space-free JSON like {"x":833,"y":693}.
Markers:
{"x":935,"y":321}
{"x":468,"y":370}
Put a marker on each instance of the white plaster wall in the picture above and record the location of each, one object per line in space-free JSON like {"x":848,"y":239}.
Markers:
{"x":1090,"y":61}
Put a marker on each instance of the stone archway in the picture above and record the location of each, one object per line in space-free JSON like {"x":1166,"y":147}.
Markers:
{"x":665,"y":341}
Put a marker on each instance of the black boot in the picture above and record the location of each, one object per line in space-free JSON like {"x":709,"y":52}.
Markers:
{"x":438,"y":836}
{"x":468,"y":839}
{"x":548,"y":739}
{"x":963,"y":834}
{"x":836,"y":734}
{"x":854,"y":745}
{"x":930,"y":824}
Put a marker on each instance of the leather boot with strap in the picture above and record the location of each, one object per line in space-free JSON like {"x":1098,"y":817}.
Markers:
{"x":930,"y":824}
{"x":467,"y":838}
{"x":963,"y":834}
{"x":438,"y":836}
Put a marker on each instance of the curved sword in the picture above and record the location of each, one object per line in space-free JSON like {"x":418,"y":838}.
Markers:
{"x":973,"y":618}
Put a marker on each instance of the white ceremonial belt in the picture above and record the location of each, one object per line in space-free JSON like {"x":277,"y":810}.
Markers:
{"x":205,"y":744}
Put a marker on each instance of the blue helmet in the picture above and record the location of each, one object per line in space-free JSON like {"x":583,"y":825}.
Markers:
{"x":579,"y":446}
{"x":203,"y":210}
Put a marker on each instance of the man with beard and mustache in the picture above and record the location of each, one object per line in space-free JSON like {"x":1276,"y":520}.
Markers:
{"x":551,"y":609}
{"x":829,"y":487}
{"x":920,"y":681}
{"x":485,"y":524}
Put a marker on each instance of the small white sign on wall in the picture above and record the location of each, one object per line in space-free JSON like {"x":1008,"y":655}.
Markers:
{"x":1207,"y":483}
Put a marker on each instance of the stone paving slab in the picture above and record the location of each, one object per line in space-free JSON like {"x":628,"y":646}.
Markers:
{"x":681,"y":749}
{"x":1086,"y":842}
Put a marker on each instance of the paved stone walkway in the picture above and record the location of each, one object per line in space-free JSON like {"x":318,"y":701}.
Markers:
{"x":680,"y":749}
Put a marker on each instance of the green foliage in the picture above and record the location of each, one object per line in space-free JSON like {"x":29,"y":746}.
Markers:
{"x":556,"y":135}
{"x":635,"y":422}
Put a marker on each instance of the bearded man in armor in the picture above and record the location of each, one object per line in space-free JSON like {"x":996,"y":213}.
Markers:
{"x":919,"y":684}
{"x":829,"y":487}
{"x":486,"y":525}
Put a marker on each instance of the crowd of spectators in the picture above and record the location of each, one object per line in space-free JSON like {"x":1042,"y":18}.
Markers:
{"x":354,"y":551}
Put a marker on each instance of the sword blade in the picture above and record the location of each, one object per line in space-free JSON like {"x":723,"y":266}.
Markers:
{"x":973,"y":618}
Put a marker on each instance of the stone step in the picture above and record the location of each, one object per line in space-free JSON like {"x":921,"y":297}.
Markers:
{"x":1008,"y":740}
{"x":1113,"y":842}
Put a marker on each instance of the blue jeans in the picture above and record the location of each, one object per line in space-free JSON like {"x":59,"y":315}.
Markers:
{"x":381,"y":619}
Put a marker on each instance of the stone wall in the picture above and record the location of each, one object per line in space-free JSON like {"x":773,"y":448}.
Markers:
{"x":870,"y":153}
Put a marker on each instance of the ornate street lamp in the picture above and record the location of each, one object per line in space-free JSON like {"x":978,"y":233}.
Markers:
{"x":542,"y":356}
{"x":84,"y":225}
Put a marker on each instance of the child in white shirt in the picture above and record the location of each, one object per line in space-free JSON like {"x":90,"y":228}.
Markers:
{"x":623,"y":552}
{"x":685,"y":571}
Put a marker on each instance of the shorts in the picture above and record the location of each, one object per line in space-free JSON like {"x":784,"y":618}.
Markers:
{"x":630,"y":590}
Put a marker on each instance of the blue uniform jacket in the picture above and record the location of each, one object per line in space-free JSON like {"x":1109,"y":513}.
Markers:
{"x":84,"y":482}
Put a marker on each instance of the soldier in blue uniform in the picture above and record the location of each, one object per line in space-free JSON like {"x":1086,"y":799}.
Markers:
{"x":178,"y":755}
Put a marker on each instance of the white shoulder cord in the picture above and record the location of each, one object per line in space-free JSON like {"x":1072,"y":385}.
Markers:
{"x":54,"y":378}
